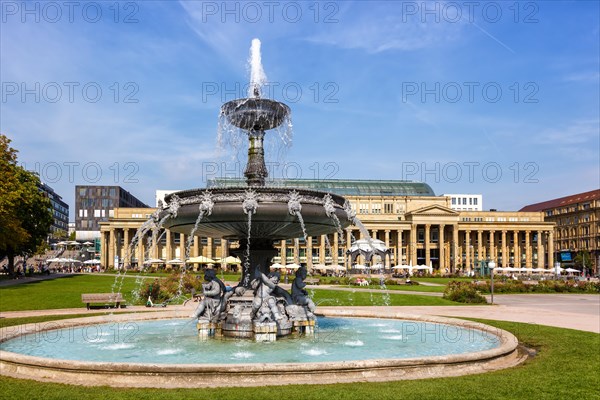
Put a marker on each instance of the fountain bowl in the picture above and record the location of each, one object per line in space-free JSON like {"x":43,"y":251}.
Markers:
{"x":271,"y":221}
{"x":255,"y":114}
{"x":123,"y":374}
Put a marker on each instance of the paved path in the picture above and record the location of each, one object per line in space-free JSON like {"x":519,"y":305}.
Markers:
{"x":575,"y":311}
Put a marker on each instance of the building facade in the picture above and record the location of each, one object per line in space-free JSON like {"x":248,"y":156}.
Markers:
{"x":60,"y":214}
{"x":419,"y":228}
{"x":577,"y":219}
{"x":95,"y":204}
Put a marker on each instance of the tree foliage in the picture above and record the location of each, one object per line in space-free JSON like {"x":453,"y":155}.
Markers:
{"x":25,"y":215}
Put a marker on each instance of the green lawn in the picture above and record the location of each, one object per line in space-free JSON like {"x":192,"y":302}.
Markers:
{"x":567,"y":366}
{"x":324,"y":297}
{"x":62,"y":292}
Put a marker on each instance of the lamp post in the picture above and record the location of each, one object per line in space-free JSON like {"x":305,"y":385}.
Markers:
{"x":491,"y":266}
{"x":556,"y":267}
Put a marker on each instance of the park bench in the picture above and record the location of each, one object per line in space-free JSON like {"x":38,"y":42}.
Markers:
{"x":311,"y":281}
{"x":103,"y":298}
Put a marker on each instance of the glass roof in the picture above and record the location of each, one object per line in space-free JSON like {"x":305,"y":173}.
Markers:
{"x":343,"y":187}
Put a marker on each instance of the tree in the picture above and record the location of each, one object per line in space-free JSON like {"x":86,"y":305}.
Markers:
{"x":25,"y":216}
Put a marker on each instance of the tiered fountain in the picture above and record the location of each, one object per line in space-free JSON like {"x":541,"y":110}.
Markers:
{"x":255,"y":216}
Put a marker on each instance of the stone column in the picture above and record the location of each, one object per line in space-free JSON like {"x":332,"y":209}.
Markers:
{"x":336,"y":248}
{"x":126,"y":255}
{"x":399,"y":247}
{"x":196,"y":248}
{"x":456,"y":260}
{"x":283,"y":254}
{"x":322,"y":249}
{"x":540,"y":249}
{"x":111,"y":248}
{"x":480,"y":251}
{"x":140,"y":252}
{"x":505,"y":256}
{"x":169,"y":245}
{"x":551,"y":249}
{"x":309,"y":246}
{"x":412,"y":246}
{"x":182,"y":246}
{"x":296,"y":250}
{"x":374,"y":233}
{"x":442,"y":249}
{"x":427,"y":244}
{"x":527,"y":250}
{"x":209,"y":247}
{"x":516,"y":248}
{"x":468,"y":249}
{"x":103,"y":249}
{"x":493,"y":246}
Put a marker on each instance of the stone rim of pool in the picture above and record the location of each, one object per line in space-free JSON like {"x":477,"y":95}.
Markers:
{"x":120,"y":374}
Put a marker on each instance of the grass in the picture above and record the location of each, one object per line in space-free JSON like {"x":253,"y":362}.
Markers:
{"x":567,"y":365}
{"x":324,"y":297}
{"x":64,"y":292}
{"x":6,"y":322}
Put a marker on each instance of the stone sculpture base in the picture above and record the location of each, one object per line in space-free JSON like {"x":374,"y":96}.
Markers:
{"x":265,"y":331}
{"x":304,"y":328}
{"x":208,"y":329}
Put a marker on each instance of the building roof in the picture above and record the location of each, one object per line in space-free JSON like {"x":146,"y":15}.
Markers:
{"x":563,"y":201}
{"x":342,"y":187}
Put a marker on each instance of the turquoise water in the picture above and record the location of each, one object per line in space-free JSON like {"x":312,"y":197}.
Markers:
{"x":175,"y":341}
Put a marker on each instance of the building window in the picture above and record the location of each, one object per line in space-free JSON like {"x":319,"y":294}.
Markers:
{"x":454,"y":201}
{"x":364,"y":208}
{"x":421,"y":235}
{"x":389,"y":208}
{"x":475,"y":201}
{"x":376,"y":208}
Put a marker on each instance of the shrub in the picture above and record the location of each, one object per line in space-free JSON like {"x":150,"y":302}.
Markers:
{"x":463,"y":292}
{"x":164,"y":289}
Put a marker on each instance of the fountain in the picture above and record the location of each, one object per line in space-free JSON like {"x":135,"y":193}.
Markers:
{"x":256,"y":216}
{"x":161,"y":349}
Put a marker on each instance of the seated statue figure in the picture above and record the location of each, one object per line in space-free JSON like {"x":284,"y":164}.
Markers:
{"x":264,"y":305}
{"x":299,"y":294}
{"x":210,"y":307}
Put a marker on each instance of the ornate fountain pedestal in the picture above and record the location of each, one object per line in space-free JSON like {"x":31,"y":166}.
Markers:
{"x":304,"y":328}
{"x":207,"y":329}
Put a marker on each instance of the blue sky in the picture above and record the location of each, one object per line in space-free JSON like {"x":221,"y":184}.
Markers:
{"x":497,"y":98}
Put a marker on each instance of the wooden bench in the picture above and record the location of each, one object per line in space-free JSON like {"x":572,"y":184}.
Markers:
{"x":103,"y":298}
{"x":311,"y":281}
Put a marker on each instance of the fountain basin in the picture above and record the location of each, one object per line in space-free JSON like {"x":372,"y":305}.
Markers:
{"x":212,"y":374}
{"x":255,"y":114}
{"x":271,"y":221}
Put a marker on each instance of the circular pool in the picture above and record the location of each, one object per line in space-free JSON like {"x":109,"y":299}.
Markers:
{"x":162,"y":350}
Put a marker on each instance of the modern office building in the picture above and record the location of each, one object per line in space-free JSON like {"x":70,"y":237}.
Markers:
{"x":60,"y":214}
{"x":466,"y":202}
{"x":95,"y":204}
{"x":418,"y":226}
{"x":577,"y":219}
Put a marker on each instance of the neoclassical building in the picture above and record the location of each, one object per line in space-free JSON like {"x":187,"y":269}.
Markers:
{"x":419,"y":228}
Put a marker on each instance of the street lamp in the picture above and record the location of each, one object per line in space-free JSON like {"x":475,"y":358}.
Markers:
{"x":491,"y":266}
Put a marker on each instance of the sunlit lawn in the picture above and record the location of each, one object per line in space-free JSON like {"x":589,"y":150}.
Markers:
{"x":64,"y":292}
